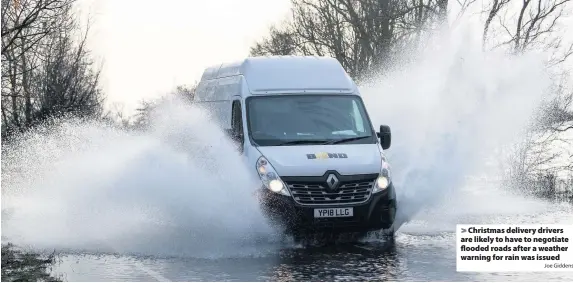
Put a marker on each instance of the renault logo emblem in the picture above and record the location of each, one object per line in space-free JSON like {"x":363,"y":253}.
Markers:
{"x":332,"y":182}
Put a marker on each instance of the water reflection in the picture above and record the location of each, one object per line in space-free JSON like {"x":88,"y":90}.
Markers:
{"x":351,"y":262}
{"x":412,"y":257}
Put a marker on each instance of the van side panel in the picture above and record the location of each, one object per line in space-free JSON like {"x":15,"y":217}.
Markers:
{"x":215,"y":95}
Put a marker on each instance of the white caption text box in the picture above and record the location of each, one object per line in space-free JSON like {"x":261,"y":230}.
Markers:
{"x":514,"y":248}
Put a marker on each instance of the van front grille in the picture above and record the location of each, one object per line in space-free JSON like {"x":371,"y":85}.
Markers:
{"x":351,"y":190}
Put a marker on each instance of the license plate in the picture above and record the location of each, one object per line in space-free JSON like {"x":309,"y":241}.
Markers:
{"x":333,"y":212}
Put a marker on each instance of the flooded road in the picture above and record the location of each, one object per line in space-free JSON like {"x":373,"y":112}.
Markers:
{"x":423,"y":250}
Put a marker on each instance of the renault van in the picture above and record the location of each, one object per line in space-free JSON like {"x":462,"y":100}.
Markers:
{"x":301,"y":124}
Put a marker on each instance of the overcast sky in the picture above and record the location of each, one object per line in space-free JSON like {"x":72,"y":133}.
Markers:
{"x":149,"y":47}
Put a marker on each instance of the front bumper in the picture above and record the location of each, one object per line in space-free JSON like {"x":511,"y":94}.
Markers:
{"x":376,"y":213}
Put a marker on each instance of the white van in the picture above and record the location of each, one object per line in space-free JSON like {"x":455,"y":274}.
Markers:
{"x":301,"y":123}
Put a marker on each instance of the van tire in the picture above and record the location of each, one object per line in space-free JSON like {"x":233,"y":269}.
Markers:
{"x":389,"y":221}
{"x":388,"y":216}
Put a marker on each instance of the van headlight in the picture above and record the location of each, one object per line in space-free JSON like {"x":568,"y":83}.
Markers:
{"x":384,"y":179}
{"x":270,"y":178}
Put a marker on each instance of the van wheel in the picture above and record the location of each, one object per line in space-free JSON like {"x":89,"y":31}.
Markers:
{"x":388,"y":228}
{"x":389,"y":216}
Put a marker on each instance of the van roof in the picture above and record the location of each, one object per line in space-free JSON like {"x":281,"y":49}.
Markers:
{"x":267,"y":74}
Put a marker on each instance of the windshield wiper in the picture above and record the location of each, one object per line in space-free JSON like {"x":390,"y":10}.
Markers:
{"x":303,"y":142}
{"x":346,"y":140}
{"x":322,"y":142}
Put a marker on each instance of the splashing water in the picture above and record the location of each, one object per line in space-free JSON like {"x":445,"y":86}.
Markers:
{"x":450,"y":113}
{"x":180,"y":188}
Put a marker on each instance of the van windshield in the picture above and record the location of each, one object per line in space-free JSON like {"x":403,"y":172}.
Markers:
{"x":308,"y":119}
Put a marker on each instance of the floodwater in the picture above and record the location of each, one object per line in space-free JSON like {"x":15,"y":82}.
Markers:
{"x":423,"y":250}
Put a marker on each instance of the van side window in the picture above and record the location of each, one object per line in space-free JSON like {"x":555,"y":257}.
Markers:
{"x":237,"y":124}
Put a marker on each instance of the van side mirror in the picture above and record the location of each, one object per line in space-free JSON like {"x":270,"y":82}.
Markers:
{"x":385,"y":136}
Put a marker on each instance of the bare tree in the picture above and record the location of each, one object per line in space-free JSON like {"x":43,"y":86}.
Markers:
{"x":493,"y":12}
{"x":46,"y":72}
{"x":361,"y":34}
{"x":557,"y":115}
{"x":525,"y":25}
{"x":28,"y":21}
{"x":534,"y":25}
{"x":278,"y":42}
{"x":67,"y":82}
